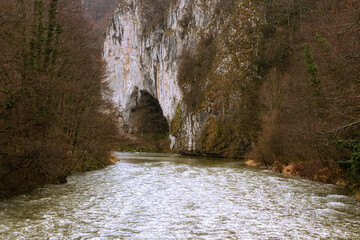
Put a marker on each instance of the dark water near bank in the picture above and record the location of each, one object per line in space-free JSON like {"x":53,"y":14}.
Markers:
{"x":155,"y":196}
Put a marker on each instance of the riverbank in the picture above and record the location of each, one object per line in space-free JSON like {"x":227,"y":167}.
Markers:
{"x":329,"y":173}
{"x":149,"y":142}
{"x":113,"y":158}
{"x":79,"y":166}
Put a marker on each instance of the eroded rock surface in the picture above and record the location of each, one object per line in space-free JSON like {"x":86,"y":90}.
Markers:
{"x":143,"y":55}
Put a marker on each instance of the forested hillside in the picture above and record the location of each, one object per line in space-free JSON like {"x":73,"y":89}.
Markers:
{"x":99,"y":12}
{"x":53,"y":119}
{"x":309,"y":62}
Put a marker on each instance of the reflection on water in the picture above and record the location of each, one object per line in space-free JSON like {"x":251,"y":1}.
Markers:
{"x":162,"y":196}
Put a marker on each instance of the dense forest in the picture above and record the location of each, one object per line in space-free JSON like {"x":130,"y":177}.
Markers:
{"x":53,"y":117}
{"x":309,"y":63}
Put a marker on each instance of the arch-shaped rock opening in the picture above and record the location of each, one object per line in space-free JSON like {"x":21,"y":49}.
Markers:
{"x":147,"y":116}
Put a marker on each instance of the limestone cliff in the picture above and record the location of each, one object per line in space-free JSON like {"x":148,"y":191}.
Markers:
{"x":147,"y":54}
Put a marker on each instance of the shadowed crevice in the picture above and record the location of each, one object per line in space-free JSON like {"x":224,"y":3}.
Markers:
{"x":147,"y":116}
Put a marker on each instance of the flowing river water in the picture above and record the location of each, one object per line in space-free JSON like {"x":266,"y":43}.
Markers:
{"x":163,"y":196}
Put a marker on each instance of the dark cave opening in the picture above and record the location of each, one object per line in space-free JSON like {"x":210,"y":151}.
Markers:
{"x":147,"y":116}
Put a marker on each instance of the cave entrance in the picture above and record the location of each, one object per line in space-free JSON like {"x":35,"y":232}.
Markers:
{"x":147,"y":117}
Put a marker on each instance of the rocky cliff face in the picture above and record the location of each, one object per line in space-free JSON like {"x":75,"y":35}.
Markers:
{"x":144,"y":55}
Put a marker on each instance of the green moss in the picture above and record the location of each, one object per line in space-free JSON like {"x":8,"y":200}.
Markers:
{"x":93,"y":164}
{"x":223,"y":138}
{"x":176,"y":122}
{"x":132,"y":147}
{"x":146,"y":143}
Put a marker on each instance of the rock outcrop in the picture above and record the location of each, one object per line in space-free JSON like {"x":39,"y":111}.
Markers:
{"x":143,"y":54}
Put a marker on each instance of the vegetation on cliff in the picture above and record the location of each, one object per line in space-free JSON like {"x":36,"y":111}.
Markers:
{"x":280,"y":83}
{"x":53,"y":119}
{"x":218,"y":78}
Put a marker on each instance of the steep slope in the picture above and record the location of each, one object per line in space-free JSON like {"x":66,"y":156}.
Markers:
{"x":157,"y":55}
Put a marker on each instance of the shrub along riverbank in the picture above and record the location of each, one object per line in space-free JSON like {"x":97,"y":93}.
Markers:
{"x":309,"y":92}
{"x":53,"y":118}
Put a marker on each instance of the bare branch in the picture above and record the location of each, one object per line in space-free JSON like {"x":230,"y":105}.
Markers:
{"x":343,"y":127}
{"x":350,"y":26}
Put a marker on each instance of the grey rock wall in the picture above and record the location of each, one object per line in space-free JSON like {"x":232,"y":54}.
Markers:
{"x":143,"y":56}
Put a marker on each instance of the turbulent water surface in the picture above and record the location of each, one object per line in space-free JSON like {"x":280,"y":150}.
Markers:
{"x":155,"y":196}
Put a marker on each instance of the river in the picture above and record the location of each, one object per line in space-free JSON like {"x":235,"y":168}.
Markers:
{"x":164,"y":196}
